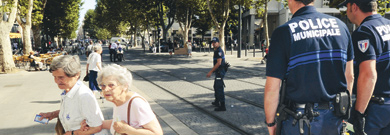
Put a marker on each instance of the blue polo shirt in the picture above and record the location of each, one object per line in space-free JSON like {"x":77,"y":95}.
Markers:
{"x":310,"y":51}
{"x":218,"y":53}
{"x":371,"y":41}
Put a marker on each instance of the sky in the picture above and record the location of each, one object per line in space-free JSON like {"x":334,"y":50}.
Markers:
{"x":88,"y":4}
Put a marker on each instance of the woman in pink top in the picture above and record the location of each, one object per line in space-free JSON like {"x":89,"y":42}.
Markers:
{"x":115,"y":82}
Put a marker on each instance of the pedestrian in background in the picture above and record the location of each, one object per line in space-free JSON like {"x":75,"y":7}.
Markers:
{"x":170,"y":47}
{"x":372,"y":68}
{"x":315,"y":68}
{"x":132,"y":114}
{"x":94,"y":65}
{"x":113,"y":48}
{"x":189,"y":48}
{"x":77,"y":101}
{"x":219,"y":85}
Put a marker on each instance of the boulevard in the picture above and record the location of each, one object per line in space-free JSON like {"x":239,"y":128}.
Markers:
{"x":177,"y":89}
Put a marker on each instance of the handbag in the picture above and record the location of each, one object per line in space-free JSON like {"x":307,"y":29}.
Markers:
{"x":59,"y":128}
{"x":86,"y":78}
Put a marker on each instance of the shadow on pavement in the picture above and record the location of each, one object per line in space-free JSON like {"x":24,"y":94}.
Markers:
{"x":37,"y":129}
{"x":47,"y":102}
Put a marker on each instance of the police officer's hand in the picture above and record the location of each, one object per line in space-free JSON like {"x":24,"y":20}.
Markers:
{"x":358,"y":121}
{"x":209,"y":74}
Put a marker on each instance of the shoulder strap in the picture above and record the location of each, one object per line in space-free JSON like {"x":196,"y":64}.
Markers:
{"x":128,"y":109}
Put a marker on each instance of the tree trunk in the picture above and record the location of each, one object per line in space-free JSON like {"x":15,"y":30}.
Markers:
{"x":37,"y":36}
{"x":26,"y":26}
{"x":26,"y":39}
{"x":222,"y":39}
{"x":7,"y":64}
{"x":266,"y":24}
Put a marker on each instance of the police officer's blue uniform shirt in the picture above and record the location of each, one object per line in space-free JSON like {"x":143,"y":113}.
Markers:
{"x":218,"y":53}
{"x":372,"y":42}
{"x":311,"y":51}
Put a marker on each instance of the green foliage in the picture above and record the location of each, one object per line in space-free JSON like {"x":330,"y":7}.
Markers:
{"x":61,"y":18}
{"x":102,"y":33}
{"x":37,"y":13}
{"x":6,"y":6}
{"x":383,"y":6}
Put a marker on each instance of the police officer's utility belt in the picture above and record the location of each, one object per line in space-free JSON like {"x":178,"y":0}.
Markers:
{"x":340,"y":105}
{"x":379,"y":98}
{"x":321,"y":105}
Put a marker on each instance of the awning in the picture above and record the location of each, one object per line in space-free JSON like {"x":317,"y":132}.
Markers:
{"x":15,"y":35}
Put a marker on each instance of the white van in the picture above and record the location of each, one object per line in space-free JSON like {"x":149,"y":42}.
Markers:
{"x":120,"y":40}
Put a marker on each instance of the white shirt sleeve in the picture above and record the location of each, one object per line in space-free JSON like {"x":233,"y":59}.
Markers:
{"x":140,"y":113}
{"x":90,"y":110}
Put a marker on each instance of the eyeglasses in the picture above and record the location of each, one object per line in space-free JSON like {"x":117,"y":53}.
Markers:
{"x":111,"y":86}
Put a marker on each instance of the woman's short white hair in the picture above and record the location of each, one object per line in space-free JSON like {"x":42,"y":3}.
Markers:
{"x":69,"y":63}
{"x":121,"y":74}
{"x":97,"y":48}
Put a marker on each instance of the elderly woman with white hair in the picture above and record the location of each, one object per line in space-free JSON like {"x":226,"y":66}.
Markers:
{"x":94,"y":65}
{"x":78,"y":102}
{"x":132,"y":114}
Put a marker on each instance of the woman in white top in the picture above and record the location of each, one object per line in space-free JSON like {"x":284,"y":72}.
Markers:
{"x":78,"y":102}
{"x":94,"y":65}
{"x":115,"y":82}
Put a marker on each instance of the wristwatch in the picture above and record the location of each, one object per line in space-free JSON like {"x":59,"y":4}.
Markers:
{"x":269,"y":124}
{"x":72,"y":132}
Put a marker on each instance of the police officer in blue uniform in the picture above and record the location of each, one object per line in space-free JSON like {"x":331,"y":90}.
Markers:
{"x":219,"y":63}
{"x":313,"y":54}
{"x":371,"y":42}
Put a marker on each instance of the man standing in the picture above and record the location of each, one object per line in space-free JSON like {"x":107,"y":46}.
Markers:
{"x":371,"y":41}
{"x":313,"y":53}
{"x":219,"y":63}
{"x":113,"y":48}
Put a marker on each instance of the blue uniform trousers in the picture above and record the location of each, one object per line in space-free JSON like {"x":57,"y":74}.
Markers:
{"x":325,"y":124}
{"x":377,"y":119}
{"x":93,"y":85}
{"x":219,"y":93}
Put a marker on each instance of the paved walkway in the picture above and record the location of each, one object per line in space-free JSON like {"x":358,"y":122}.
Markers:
{"x":24,"y":94}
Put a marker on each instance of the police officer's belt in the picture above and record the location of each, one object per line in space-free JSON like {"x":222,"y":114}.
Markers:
{"x":379,"y":98}
{"x":381,"y":95}
{"x":321,"y":105}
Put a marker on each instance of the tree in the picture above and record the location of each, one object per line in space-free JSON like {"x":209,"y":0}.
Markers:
{"x":25,"y":8}
{"x":89,"y":23}
{"x":166,"y":11}
{"x":9,"y":10}
{"x":185,"y":14}
{"x":37,"y":17}
{"x":262,"y":11}
{"x":61,"y":18}
{"x":220,"y":10}
{"x":203,"y":24}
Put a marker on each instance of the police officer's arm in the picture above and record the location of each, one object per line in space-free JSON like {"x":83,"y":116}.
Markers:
{"x":271,"y":100}
{"x":219,"y":61}
{"x":349,"y":75}
{"x":365,"y":84}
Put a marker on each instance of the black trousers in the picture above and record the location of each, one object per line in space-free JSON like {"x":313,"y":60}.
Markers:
{"x":112,"y":53}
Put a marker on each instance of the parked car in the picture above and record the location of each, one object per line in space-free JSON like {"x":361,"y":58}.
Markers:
{"x":163,"y":46}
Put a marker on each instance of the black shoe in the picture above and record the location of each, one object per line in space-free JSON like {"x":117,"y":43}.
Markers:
{"x":215,"y":103}
{"x":221,"y":108}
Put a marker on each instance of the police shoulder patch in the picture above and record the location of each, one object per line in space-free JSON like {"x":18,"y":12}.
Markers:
{"x":220,"y":53}
{"x":363,"y":45}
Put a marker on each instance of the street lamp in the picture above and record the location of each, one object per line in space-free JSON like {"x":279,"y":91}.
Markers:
{"x":239,"y":30}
